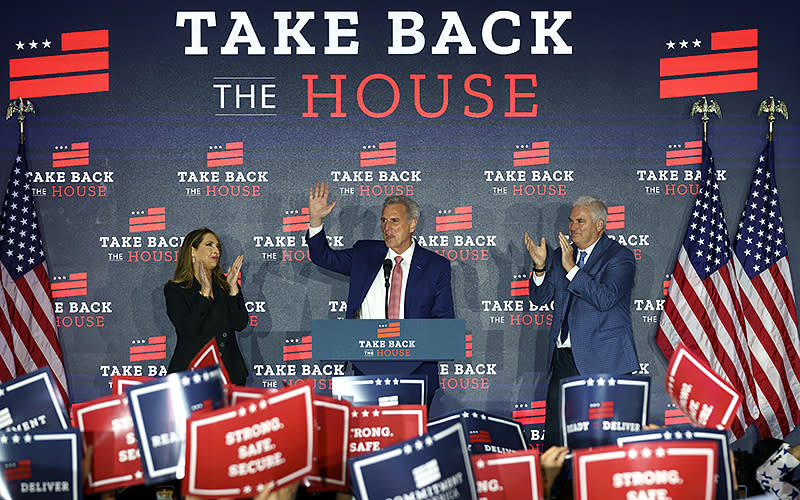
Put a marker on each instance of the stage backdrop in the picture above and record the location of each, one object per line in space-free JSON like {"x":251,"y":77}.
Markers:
{"x":155,"y":118}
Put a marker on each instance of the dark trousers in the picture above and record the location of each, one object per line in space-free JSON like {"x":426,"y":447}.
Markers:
{"x":562,"y":366}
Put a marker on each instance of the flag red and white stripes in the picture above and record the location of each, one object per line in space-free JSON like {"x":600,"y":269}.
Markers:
{"x":27,"y":320}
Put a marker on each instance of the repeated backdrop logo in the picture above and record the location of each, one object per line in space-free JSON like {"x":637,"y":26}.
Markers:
{"x":66,"y":178}
{"x":219,"y":177}
{"x":453,"y":238}
{"x":528,"y":174}
{"x":366,"y":180}
{"x":295,"y":369}
{"x":678,"y":178}
{"x":290,"y":244}
{"x":71,"y":308}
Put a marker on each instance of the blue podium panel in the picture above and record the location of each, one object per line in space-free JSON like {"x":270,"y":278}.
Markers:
{"x":391,"y":340}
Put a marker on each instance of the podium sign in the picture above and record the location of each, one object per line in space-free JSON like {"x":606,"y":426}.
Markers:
{"x":391,"y":340}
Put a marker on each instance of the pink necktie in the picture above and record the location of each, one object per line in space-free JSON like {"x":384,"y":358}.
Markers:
{"x":397,"y":285}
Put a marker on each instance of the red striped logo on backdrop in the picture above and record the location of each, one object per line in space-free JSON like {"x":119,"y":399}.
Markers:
{"x":468,"y":345}
{"x":150,"y":349}
{"x":388,"y":330}
{"x":74,"y":155}
{"x":674,"y":416}
{"x":533,"y":415}
{"x":729,"y":65}
{"x":231,"y":154}
{"x":519,"y":286}
{"x":690,"y":154}
{"x":75,"y":285}
{"x":384,"y":154}
{"x":79,"y":68}
{"x":616,"y":217}
{"x":298,"y":348}
{"x":538,"y":153}
{"x":461,"y":219}
{"x":293,"y":222}
{"x":154,"y":219}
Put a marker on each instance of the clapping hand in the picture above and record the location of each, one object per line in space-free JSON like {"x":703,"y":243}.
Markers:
{"x":233,"y":274}
{"x":538,"y":252}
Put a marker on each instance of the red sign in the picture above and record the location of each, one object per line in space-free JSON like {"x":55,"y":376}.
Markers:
{"x":330,"y":453}
{"x":120,"y":382}
{"x":106,"y":425}
{"x":508,"y":475}
{"x":238,"y":451}
{"x":702,"y":395}
{"x":209,"y":355}
{"x":651,"y":470}
{"x":375,"y":427}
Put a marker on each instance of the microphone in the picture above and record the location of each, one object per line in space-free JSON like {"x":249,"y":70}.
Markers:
{"x":387,"y":273}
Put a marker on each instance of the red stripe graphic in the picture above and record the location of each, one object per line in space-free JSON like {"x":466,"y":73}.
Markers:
{"x":233,"y":154}
{"x":673,"y":417}
{"x":616,"y":217}
{"x":480,"y":437}
{"x":303,"y":350}
{"x":156,"y":348}
{"x":735,"y":67}
{"x":461,"y":220}
{"x":75,"y":286}
{"x":535,"y":415}
{"x":14,"y":471}
{"x":83,"y":40}
{"x":391,"y":330}
{"x":691,"y":154}
{"x":296,"y":222}
{"x":740,"y":39}
{"x":539,"y":154}
{"x":155,"y":220}
{"x":386,"y":154}
{"x":61,"y":68}
{"x":604,"y":410}
{"x":520,"y":288}
{"x":666,"y":287}
{"x":78,"y":154}
{"x":468,"y":345}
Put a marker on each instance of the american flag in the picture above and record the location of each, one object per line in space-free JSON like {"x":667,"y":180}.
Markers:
{"x":702,"y":308}
{"x":27,"y":319}
{"x":767,"y":298}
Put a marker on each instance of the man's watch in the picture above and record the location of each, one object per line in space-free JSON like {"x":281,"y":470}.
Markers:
{"x":539,"y":270}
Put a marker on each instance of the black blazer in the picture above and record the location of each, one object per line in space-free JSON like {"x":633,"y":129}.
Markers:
{"x":197,"y":320}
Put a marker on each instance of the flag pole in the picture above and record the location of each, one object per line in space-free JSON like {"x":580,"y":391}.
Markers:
{"x":705,"y":106}
{"x":770,"y":106}
{"x":20,"y":108}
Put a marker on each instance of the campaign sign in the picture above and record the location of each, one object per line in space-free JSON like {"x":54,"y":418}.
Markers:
{"x":706,"y":399}
{"x":644,"y":471}
{"x":208,"y":356}
{"x":121,"y":382}
{"x":380,"y":390}
{"x":499,"y":476}
{"x":724,"y":478}
{"x":595,"y":409}
{"x":106,"y":426}
{"x":486,"y":433}
{"x":237,"y":393}
{"x":239,"y":451}
{"x":374,"y":428}
{"x":160,"y":409}
{"x":31,"y":403}
{"x":41,"y":465}
{"x":330,"y":444}
{"x":434,"y":465}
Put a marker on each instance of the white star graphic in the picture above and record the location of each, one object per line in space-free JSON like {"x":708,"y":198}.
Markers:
{"x":660,"y":452}
{"x":376,"y":413}
{"x":33,"y":43}
{"x":365,"y":413}
{"x":242,"y":411}
{"x":418,"y":445}
{"x":3,"y":439}
{"x":481,"y":464}
{"x":46,"y":43}
{"x":407,"y":449}
{"x":378,"y":381}
{"x":670,"y":45}
{"x":633,"y":454}
{"x":355,"y":413}
{"x":20,"y":45}
{"x":696,"y":42}
{"x":684,"y":44}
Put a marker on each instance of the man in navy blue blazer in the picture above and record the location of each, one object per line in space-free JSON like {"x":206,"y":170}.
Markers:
{"x":589,"y":279}
{"x":425,"y":292}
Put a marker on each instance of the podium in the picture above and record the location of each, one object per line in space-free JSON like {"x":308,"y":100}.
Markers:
{"x":397,"y":346}
{"x":389,"y":340}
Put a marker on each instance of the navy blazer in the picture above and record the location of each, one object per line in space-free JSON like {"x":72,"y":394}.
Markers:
{"x":600,"y":315}
{"x":428,"y":292}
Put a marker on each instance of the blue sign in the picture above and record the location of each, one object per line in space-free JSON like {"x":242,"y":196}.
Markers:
{"x":41,"y":465}
{"x":32,"y":403}
{"x":433,"y":465}
{"x":380,"y":390}
{"x":486,"y":433}
{"x":160,"y":409}
{"x":595,"y":409}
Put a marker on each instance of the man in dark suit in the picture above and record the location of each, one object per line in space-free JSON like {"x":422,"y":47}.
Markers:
{"x":589,"y":279}
{"x":420,"y":279}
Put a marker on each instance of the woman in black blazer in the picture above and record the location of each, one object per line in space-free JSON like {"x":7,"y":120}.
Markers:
{"x":203,"y":304}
